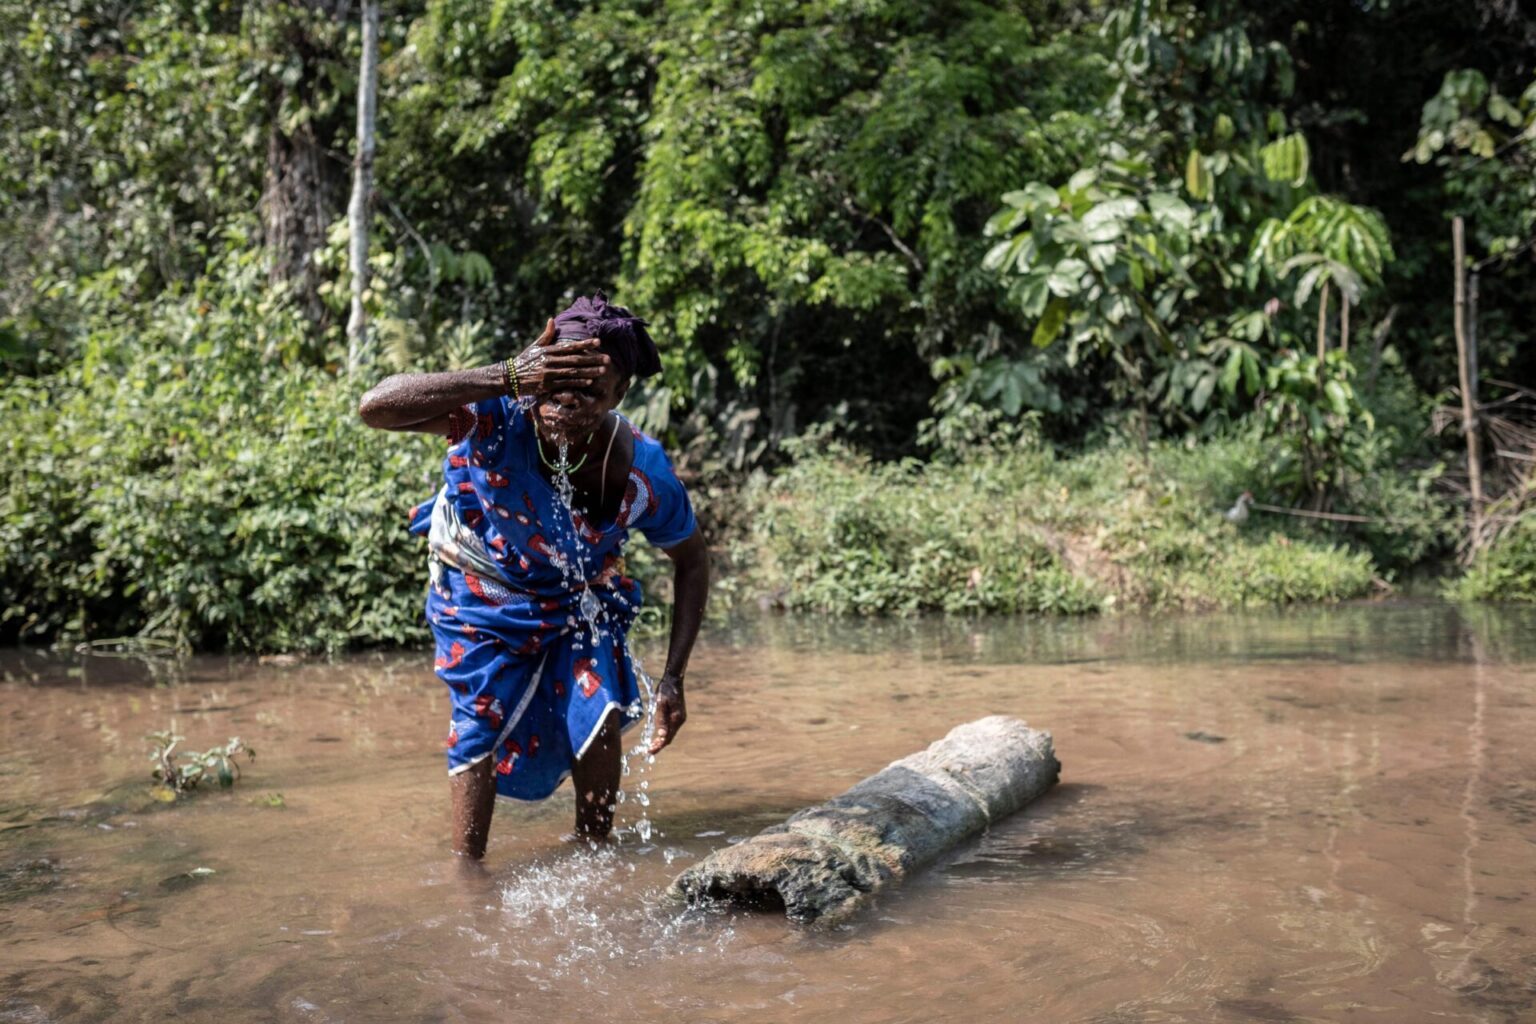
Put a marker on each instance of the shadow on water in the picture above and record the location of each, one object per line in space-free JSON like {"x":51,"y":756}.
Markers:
{"x":1080,"y":827}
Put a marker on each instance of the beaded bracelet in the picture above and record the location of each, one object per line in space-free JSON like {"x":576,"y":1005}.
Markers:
{"x":509,"y":379}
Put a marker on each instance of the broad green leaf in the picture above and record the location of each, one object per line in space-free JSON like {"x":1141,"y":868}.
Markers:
{"x":1066,"y":278}
{"x":1050,"y":325}
{"x":1251,"y":378}
{"x":1002,"y":254}
{"x":1232,"y":372}
{"x":1202,"y":393}
{"x":1170,"y":211}
{"x":1338,"y":397}
{"x":1034,"y":292}
{"x":1287,"y":159}
{"x":1197,"y":177}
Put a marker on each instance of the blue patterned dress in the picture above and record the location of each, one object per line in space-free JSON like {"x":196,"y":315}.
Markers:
{"x":528,"y":600}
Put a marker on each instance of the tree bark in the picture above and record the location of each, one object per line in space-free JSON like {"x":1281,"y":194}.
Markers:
{"x":1322,"y":325}
{"x":1465,"y":361}
{"x":301,"y":193}
{"x":358,"y":350}
{"x":824,"y":863}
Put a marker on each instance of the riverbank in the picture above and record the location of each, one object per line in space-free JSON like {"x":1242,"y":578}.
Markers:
{"x":1023,"y":530}
{"x":176,"y":499}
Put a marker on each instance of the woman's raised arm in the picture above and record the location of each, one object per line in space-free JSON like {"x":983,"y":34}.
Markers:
{"x":422,"y":402}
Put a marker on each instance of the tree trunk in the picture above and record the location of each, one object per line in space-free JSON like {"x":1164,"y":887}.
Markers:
{"x":827,"y":861}
{"x":1466,"y":359}
{"x":303,"y":182}
{"x":1344,"y":324}
{"x":358,"y":350}
{"x":1322,"y":324}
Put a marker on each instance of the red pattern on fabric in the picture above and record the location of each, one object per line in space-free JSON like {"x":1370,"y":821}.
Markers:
{"x":457,"y":461}
{"x":587,"y":677}
{"x":455,"y":656}
{"x":489,"y":591}
{"x":513,"y":751}
{"x":495,"y":479}
{"x":460,"y":422}
{"x":489,"y":708}
{"x":585,"y":530}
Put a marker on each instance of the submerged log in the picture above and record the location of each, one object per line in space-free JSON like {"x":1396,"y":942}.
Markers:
{"x":824,"y":862}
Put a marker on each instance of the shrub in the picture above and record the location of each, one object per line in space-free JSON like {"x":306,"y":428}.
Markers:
{"x":174,"y":484}
{"x":1506,"y":569}
{"x":1013,"y":530}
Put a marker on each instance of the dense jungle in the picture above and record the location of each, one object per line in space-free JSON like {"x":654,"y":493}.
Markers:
{"x":974,"y":307}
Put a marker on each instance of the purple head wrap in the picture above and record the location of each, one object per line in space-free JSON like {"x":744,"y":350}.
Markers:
{"x":623,"y":335}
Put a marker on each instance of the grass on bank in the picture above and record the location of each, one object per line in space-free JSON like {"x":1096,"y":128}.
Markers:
{"x":1024,"y":531}
{"x":176,"y":484}
{"x":1506,"y":569}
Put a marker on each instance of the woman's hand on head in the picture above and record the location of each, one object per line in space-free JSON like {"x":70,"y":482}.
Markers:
{"x":671,"y":712}
{"x":548,"y":364}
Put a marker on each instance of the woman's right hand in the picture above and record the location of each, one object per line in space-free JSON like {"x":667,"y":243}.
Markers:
{"x":547,"y":364}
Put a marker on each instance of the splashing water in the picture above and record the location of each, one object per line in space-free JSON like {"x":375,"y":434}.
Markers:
{"x":593,"y":623}
{"x":569,"y":904}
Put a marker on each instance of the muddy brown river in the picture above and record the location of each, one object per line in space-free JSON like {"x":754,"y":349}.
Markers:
{"x":1326,"y":815}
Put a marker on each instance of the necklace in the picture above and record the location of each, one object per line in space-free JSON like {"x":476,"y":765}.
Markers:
{"x":564,"y":466}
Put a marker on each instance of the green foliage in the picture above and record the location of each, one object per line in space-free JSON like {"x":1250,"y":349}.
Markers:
{"x":1008,"y":530}
{"x":195,"y":767}
{"x":798,"y":196}
{"x":839,"y":533}
{"x":1317,"y":429}
{"x":172,"y":484}
{"x":1326,"y":239}
{"x":1506,"y":569}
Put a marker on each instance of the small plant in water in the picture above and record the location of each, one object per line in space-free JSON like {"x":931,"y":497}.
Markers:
{"x":189,"y":768}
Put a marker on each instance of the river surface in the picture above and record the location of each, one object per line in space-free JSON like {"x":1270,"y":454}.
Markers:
{"x":1326,"y":815}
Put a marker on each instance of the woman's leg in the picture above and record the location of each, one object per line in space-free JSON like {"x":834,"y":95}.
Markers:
{"x":596,"y":780}
{"x":474,"y":800}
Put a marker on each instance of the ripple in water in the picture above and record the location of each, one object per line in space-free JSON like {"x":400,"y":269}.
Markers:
{"x":573,"y":919}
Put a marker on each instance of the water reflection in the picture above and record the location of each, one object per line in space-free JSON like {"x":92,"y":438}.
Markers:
{"x":1296,"y":816}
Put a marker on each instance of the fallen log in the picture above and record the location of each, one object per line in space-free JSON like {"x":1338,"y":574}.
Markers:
{"x":823,"y":863}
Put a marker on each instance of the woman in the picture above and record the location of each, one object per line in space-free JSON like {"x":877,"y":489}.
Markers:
{"x":528,"y":599}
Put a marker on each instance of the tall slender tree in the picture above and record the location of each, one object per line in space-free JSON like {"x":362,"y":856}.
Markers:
{"x":358,"y":352}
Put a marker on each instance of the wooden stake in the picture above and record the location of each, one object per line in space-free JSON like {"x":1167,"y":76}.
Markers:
{"x":1465,"y":360}
{"x":1322,"y":325}
{"x":358,"y":353}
